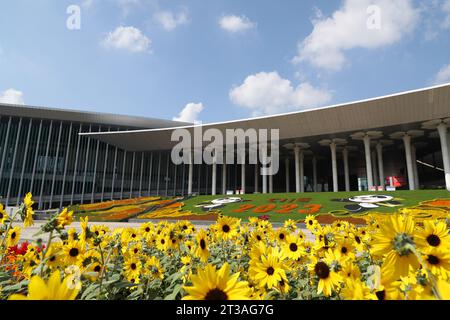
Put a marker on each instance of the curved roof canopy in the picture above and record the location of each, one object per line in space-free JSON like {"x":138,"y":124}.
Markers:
{"x":85,"y":117}
{"x":397,"y":112}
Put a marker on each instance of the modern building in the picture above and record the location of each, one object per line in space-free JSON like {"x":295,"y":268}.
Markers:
{"x":67,"y":157}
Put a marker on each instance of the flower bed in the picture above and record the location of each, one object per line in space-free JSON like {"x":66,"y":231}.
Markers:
{"x":390,"y":257}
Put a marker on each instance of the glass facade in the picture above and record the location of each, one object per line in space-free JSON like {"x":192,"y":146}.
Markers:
{"x":60,"y":167}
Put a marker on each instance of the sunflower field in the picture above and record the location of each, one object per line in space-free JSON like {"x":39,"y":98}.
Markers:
{"x":390,"y":257}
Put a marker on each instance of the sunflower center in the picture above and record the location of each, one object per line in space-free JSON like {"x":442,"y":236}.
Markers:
{"x":163,"y":241}
{"x":281,"y":236}
{"x":133,"y":235}
{"x":322,"y":270}
{"x":433,"y":259}
{"x":216,"y":294}
{"x":226,"y":228}
{"x":1,"y":215}
{"x":147,"y":229}
{"x":270,"y":271}
{"x":136,"y":250}
{"x":97,"y":268}
{"x":184,"y":227}
{"x":202,"y":244}
{"x":310,"y":222}
{"x":133,"y":266}
{"x":357,"y":239}
{"x":344,"y":250}
{"x":52,"y":258}
{"x":13,"y":235}
{"x":293,"y":247}
{"x":74,"y":252}
{"x":258,"y":237}
{"x":433,"y":240}
{"x":174,"y":241}
{"x":381,"y":295}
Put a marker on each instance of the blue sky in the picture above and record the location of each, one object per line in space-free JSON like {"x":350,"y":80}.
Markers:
{"x":218,"y":60}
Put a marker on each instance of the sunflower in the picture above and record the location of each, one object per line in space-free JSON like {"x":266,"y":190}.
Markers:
{"x":73,"y":252}
{"x":433,"y":235}
{"x":3,"y":215}
{"x":28,"y":210}
{"x":290,"y":225}
{"x":163,"y":242}
{"x":328,"y":280}
{"x":394,"y":241}
{"x":350,"y":270}
{"x":13,"y":237}
{"x":344,"y":249}
{"x":227,"y":227}
{"x":186,"y":227}
{"x":132,"y":267}
{"x":92,"y":271}
{"x":269,"y":270}
{"x":202,"y":250}
{"x":280,"y":235}
{"x":146,"y":230}
{"x":438,"y":262}
{"x":293,"y":247}
{"x":443,"y":288}
{"x":212,"y":284}
{"x":64,"y":218}
{"x":54,"y":257}
{"x":85,"y":232}
{"x":53,"y":289}
{"x":153,"y":266}
{"x":355,"y":289}
{"x":311,"y":222}
{"x":257,"y":235}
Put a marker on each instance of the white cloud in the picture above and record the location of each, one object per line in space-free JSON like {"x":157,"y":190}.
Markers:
{"x":347,"y":28}
{"x":234,"y":23}
{"x":169,"y":21}
{"x":127,"y":38}
{"x":446,"y":9}
{"x":11,"y":96}
{"x":190,"y":113}
{"x":443,"y":75}
{"x":267,"y":93}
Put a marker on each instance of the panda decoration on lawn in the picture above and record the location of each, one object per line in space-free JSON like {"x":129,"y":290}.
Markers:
{"x":368,"y":202}
{"x":217,"y":203}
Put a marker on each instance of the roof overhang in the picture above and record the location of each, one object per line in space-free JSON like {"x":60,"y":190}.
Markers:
{"x":86,"y":117}
{"x":402,"y":111}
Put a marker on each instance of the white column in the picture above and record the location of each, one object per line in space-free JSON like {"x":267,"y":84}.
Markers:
{"x":414,"y":163}
{"x":256,"y":177}
{"x":380,"y":164}
{"x":314,"y":161}
{"x":243,"y":174}
{"x":374,"y":168}
{"x":442,"y":129}
{"x":191,"y":172}
{"x":224,"y":176}
{"x":271,"y":183}
{"x":409,"y":165}
{"x":346,"y":172}
{"x":297,"y":168}
{"x":368,"y":161}
{"x":334,"y":166}
{"x":286,"y":163}
{"x":302,"y":172}
{"x":264,"y":182}
{"x":214,"y":176}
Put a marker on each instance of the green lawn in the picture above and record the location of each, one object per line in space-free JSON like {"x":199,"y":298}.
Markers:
{"x":406,"y":198}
